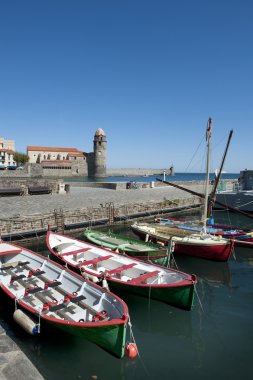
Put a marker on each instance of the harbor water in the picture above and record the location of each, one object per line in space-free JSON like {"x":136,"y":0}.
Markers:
{"x":178,"y":177}
{"x":212,"y":341}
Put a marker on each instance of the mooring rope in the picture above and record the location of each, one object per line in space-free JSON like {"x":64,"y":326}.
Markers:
{"x":39,"y":321}
{"x":134,"y":341}
{"x":200,"y":303}
{"x":233,"y":253}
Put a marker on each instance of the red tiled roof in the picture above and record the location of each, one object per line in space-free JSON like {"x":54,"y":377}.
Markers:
{"x":52,"y":149}
{"x":7,"y":150}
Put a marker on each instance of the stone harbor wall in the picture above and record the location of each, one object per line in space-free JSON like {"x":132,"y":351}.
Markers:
{"x":129,"y":172}
{"x":107,"y":213}
{"x":55,"y":185}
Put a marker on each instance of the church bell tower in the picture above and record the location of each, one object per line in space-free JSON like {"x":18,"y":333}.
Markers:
{"x":99,"y":149}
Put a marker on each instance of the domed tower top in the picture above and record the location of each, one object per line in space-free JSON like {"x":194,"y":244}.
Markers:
{"x":100,"y":132}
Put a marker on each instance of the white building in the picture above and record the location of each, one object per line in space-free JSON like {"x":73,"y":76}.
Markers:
{"x":45,"y":154}
{"x":7,"y":150}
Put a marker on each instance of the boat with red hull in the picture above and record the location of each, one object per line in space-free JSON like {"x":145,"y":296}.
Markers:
{"x":46,"y":293}
{"x":184,"y":242}
{"x":243,"y":237}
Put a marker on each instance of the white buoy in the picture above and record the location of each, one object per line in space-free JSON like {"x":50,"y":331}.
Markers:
{"x":88,"y":276}
{"x":28,"y":324}
{"x":105,"y":284}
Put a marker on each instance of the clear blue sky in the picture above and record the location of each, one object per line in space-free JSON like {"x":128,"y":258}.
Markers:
{"x":148,"y":72}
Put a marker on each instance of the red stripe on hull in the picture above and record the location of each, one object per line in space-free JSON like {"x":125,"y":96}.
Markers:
{"x":217,"y":253}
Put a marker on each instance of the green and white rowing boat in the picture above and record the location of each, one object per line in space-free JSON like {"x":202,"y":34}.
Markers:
{"x":136,"y":248}
{"x":123,"y":273}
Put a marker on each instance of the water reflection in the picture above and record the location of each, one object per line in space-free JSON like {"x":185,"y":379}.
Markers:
{"x":209,"y":271}
{"x":155,"y":317}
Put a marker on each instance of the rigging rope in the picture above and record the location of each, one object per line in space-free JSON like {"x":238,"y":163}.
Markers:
{"x":194,"y":154}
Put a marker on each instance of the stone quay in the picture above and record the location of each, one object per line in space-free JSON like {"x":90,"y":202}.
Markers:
{"x":84,"y":205}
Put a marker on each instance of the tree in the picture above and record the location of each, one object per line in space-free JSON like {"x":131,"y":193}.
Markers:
{"x":20,"y":158}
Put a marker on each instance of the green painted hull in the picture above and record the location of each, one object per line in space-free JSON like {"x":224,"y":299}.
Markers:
{"x":112,"y":338}
{"x":132,"y":247}
{"x":179,"y":296}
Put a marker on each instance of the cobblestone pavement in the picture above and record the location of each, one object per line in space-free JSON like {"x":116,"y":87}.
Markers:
{"x":14,"y":365}
{"x":82,"y":197}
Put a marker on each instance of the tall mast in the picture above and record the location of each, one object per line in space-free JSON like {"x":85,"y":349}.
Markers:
{"x":213,"y":192}
{"x":208,"y":138}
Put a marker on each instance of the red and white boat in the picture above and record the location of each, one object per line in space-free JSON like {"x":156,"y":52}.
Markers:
{"x":46,"y":293}
{"x":243,"y":237}
{"x":199,"y":244}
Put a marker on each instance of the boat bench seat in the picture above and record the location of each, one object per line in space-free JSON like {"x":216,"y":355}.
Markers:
{"x":76,"y":299}
{"x":36,"y":273}
{"x":22,"y":279}
{"x":36,"y":289}
{"x":63,"y":305}
{"x":14,"y":264}
{"x":61,"y":247}
{"x":39,"y":273}
{"x":46,"y":294}
{"x":31,"y":279}
{"x":43,"y":295}
{"x":143,"y":277}
{"x":16,"y":277}
{"x":79,"y":300}
{"x":95,"y":261}
{"x":63,"y":312}
{"x":60,"y":306}
{"x":93,"y":311}
{"x":120,"y":269}
{"x":53,"y":284}
{"x":83,"y":250}
{"x":11,"y":265}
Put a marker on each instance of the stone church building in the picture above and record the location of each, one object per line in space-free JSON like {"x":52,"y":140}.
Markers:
{"x":69,"y":162}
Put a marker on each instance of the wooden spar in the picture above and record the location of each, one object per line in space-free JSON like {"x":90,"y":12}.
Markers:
{"x":213,"y":192}
{"x":242,"y":241}
{"x":250,"y":243}
{"x":234,"y":209}
{"x":181,"y":188}
{"x":202,"y":196}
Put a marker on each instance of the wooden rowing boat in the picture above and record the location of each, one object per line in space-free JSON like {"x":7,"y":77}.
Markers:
{"x":135,"y":248}
{"x":47,"y":293}
{"x":123,"y":273}
{"x":243,"y":237}
{"x":185,"y":242}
